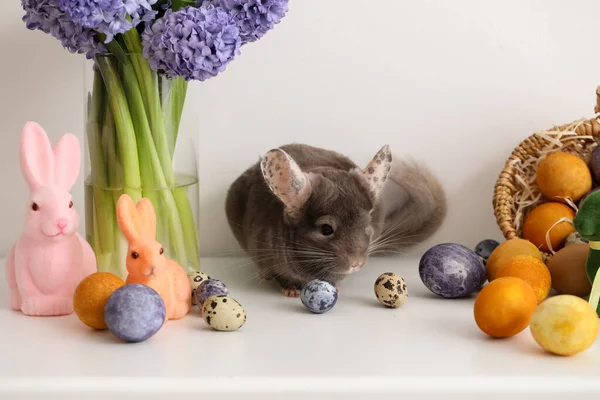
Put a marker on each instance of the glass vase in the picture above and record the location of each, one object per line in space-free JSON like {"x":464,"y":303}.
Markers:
{"x":136,"y":145}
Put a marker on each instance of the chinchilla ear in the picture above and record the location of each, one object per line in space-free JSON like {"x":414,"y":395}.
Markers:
{"x":37,"y":158}
{"x":286,"y":180}
{"x":377,"y":171}
{"x":67,"y":157}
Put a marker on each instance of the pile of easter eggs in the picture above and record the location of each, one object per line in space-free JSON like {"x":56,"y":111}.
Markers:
{"x":516,"y":295}
{"x":131,"y":312}
{"x":219,"y":310}
{"x":134,"y":312}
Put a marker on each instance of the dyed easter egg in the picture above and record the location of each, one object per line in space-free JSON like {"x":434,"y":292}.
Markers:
{"x":209,"y":288}
{"x":318,"y":296}
{"x":91,"y":295}
{"x":575,"y":238}
{"x":451,"y":270}
{"x":506,"y":250}
{"x":564,"y":325}
{"x":196,"y":278}
{"x":390,"y":290}
{"x":223,"y":313}
{"x":485,"y":248}
{"x":544,"y":218}
{"x":561,"y":174}
{"x":504,"y":307}
{"x":595,"y":164}
{"x":568,"y":270}
{"x":532,"y":271}
{"x":134,"y":312}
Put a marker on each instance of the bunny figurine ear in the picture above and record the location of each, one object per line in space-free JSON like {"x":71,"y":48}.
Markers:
{"x":286,"y":180}
{"x":37,"y":158}
{"x":147,"y":218}
{"x":128,"y":218}
{"x":67,"y":157}
{"x":137,"y":222}
{"x":377,"y":170}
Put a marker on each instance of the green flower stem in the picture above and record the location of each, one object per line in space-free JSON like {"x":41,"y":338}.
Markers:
{"x":173,"y":109}
{"x":149,"y":86}
{"x":124,"y":128}
{"x":138,"y":113}
{"x":102,"y":203}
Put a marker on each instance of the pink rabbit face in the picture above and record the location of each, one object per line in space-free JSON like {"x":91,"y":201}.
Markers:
{"x":50,"y":174}
{"x":51,"y":213}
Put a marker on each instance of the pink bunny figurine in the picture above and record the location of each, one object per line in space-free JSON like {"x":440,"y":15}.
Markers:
{"x":50,"y":258}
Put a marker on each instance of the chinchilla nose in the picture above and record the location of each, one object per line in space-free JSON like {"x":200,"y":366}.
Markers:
{"x":357,"y":263}
{"x":61,"y":223}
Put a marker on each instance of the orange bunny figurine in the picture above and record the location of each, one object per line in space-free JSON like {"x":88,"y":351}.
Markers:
{"x":146,"y":263}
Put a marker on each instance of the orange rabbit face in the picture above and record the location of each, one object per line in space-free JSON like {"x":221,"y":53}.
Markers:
{"x":145,"y":259}
{"x":145,"y":256}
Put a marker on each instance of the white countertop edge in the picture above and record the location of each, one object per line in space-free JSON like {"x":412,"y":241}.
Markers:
{"x":308,"y":385}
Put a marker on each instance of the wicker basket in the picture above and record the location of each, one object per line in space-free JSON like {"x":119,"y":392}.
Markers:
{"x":517,"y":179}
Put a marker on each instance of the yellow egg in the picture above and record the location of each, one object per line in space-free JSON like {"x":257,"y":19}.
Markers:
{"x":563,"y":175}
{"x":564,"y":325}
{"x":91,"y":295}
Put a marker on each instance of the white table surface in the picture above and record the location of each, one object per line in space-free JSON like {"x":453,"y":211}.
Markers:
{"x":428,"y":348}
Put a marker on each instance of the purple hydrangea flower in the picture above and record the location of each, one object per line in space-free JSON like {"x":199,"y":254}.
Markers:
{"x":109,"y":17}
{"x":46,"y":16}
{"x":195,"y":43}
{"x":254,"y":17}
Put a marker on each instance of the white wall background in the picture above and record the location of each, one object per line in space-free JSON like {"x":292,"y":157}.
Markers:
{"x":430,"y":78}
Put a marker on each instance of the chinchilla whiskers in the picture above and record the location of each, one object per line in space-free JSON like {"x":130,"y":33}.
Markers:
{"x":296,"y":246}
{"x":389,"y":235}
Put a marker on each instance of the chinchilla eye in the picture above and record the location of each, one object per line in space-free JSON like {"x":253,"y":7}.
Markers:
{"x":135,"y":255}
{"x":326,"y":230}
{"x":161,"y":250}
{"x":70,"y":204}
{"x":35,"y":207}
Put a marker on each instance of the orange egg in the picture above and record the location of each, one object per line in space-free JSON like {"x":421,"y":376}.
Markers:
{"x":507,"y":250}
{"x":91,"y":295}
{"x":532,"y":271}
{"x":504,"y":307}
{"x":542,"y":218}
{"x":562,"y":174}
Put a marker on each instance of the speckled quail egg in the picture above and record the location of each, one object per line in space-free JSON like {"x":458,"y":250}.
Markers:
{"x":196,"y":278}
{"x":390,"y":290}
{"x":223,"y":313}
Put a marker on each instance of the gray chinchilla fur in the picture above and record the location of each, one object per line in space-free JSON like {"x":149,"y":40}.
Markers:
{"x":306,"y":213}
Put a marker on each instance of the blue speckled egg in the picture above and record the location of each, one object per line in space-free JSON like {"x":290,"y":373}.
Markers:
{"x":451,"y":270}
{"x":318,"y":296}
{"x":134,"y":312}
{"x":485,"y":248}
{"x":209,"y":288}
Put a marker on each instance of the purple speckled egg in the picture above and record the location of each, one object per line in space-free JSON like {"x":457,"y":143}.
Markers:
{"x":452,"y":270}
{"x":209,"y":288}
{"x":134,"y":312}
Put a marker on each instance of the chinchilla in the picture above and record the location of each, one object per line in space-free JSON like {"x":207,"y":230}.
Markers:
{"x":306,"y":213}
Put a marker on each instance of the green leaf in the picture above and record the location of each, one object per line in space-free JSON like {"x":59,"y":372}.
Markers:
{"x":115,"y":48}
{"x":177,"y":4}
